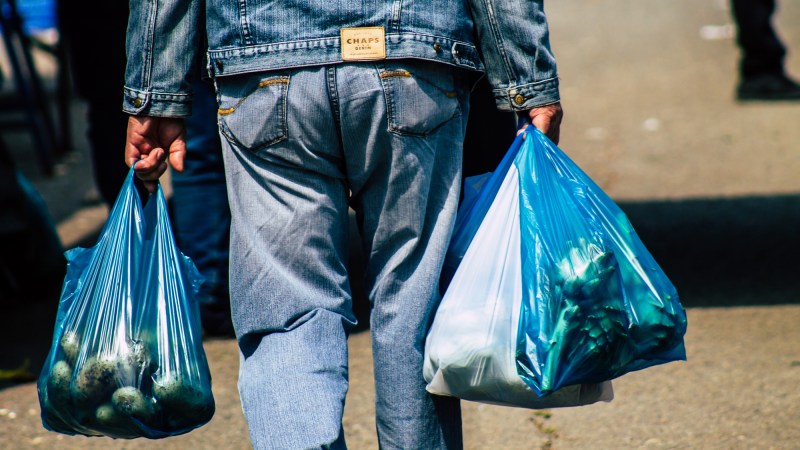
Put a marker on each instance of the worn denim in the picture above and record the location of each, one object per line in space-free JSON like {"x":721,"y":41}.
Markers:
{"x":509,"y":39}
{"x":300,"y":147}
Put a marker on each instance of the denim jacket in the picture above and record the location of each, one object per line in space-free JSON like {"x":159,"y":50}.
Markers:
{"x":507,"y":39}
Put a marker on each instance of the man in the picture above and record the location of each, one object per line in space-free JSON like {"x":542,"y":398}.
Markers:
{"x":325,"y":105}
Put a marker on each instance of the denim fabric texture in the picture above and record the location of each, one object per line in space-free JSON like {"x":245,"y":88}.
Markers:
{"x":301,"y":146}
{"x":509,"y":39}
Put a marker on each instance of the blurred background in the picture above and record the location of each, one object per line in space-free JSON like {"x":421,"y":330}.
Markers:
{"x":711,"y":185}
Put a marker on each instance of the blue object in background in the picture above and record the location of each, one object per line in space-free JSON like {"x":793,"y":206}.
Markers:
{"x":37,"y":15}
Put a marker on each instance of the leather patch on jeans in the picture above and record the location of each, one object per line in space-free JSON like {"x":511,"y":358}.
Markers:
{"x":363,"y":44}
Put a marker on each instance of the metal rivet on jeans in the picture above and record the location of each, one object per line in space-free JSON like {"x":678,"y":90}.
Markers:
{"x":437,"y":47}
{"x":519,"y":99}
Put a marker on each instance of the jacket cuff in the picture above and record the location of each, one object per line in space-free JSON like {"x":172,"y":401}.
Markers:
{"x":527,"y":96}
{"x":143,"y":103}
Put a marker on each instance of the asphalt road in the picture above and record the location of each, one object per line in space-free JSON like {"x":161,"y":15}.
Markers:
{"x":711,"y":186}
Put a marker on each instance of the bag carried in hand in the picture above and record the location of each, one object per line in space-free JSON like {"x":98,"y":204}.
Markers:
{"x":127,"y":358}
{"x":552,"y":294}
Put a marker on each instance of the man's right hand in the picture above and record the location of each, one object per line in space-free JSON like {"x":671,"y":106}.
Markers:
{"x":546,"y":119}
{"x":153,"y":143}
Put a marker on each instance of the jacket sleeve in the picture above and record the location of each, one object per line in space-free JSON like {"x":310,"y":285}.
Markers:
{"x":163,"y":47}
{"x":514,"y":43}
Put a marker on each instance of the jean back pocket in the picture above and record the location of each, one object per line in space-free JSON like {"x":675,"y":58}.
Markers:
{"x":420,"y":97}
{"x":244,"y":102}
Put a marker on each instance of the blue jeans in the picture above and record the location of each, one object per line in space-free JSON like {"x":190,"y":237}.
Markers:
{"x":200,"y":212}
{"x":300,"y":146}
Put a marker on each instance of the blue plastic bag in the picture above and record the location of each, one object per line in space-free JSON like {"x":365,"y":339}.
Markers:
{"x":550,"y":276}
{"x":596,"y":303}
{"x":127,"y":358}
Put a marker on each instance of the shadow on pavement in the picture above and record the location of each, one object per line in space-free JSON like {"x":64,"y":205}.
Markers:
{"x":725,"y":252}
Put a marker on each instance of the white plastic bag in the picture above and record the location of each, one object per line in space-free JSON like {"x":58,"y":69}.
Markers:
{"x":470,"y":349}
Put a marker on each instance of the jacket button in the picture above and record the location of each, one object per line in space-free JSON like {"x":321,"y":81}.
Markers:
{"x":519,"y":99}
{"x":137,"y":102}
{"x":219,"y":65}
{"x":437,"y":48}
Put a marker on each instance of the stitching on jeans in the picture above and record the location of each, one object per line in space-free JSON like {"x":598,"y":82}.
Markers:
{"x":395,"y":73}
{"x":271,"y":81}
{"x":333,"y":96}
{"x":263,"y":83}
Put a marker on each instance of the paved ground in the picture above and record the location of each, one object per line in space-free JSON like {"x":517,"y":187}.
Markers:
{"x":711,"y":186}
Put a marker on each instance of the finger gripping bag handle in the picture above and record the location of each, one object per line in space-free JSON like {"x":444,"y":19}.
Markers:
{"x":596,"y":305}
{"x":108,"y":348}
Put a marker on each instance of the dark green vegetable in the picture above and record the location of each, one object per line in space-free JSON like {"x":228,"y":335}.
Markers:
{"x":591,"y":324}
{"x":593,"y":330}
{"x":107,"y":415}
{"x":114,"y":393}
{"x":58,"y":384}
{"x":70,"y":344}
{"x":95,"y":382}
{"x":130,"y":401}
{"x":183,"y":403}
